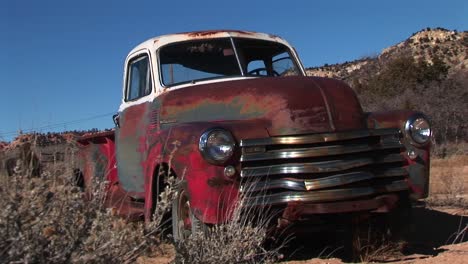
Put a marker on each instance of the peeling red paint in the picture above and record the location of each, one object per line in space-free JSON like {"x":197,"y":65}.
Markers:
{"x":293,"y":104}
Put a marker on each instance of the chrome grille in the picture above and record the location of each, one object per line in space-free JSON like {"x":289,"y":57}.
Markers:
{"x":322,"y":167}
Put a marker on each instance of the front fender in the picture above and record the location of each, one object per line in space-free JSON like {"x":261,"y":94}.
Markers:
{"x":212,"y":195}
{"x":418,"y":168}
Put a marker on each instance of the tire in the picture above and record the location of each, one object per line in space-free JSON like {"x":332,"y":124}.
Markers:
{"x":184,"y":222}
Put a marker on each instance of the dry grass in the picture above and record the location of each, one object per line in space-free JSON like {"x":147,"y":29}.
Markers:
{"x":449,"y":187}
{"x":449,"y":181}
{"x":448,"y":149}
{"x":243,"y":239}
{"x":47,"y":220}
{"x":384,"y":251}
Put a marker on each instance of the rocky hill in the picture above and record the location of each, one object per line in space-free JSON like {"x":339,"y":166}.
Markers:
{"x":427,"y":72}
{"x":449,"y":45}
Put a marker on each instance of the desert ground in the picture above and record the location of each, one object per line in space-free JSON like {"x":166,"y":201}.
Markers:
{"x":440,"y":237}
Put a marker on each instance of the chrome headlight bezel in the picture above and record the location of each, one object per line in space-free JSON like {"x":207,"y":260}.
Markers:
{"x":208,"y":151}
{"x":413,"y":133}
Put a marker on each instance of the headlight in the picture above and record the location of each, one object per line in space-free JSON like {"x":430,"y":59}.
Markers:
{"x":216,"y":145}
{"x":418,"y":129}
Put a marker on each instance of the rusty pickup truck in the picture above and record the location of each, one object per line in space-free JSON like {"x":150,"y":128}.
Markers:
{"x":232,"y":114}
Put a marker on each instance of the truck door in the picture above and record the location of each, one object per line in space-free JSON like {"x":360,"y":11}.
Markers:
{"x":133,"y":115}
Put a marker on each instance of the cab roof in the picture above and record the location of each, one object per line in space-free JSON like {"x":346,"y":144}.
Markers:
{"x":156,"y":42}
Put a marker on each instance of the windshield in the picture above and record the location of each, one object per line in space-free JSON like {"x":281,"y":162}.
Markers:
{"x":198,"y":60}
{"x":265,"y":58}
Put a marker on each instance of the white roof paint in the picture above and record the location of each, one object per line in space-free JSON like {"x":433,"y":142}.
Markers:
{"x":157,"y":42}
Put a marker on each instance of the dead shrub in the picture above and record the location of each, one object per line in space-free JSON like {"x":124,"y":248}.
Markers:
{"x":380,"y":238}
{"x":47,"y":219}
{"x":380,"y":251}
{"x":43,"y":221}
{"x":240,"y":240}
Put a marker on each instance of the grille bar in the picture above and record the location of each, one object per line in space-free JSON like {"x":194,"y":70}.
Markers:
{"x":321,"y":183}
{"x":318,"y":167}
{"x":317,"y":151}
{"x":317,"y":138}
{"x":325,"y":195}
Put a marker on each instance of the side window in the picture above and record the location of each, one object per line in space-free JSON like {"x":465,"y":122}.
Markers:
{"x":138,"y":78}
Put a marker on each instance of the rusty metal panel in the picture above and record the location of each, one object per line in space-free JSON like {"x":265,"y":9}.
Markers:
{"x":97,"y":157}
{"x":293,"y":105}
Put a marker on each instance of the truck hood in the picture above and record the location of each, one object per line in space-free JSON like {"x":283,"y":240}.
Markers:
{"x":287,"y":105}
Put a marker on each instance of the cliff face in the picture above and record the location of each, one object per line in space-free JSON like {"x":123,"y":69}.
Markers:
{"x":449,"y":46}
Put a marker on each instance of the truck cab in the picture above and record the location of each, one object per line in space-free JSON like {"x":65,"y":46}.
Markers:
{"x":233,"y":116}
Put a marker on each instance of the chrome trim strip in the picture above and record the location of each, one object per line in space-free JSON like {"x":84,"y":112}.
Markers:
{"x":287,"y":183}
{"x":316,"y":151}
{"x":325,"y":195}
{"x":321,"y":183}
{"x":318,"y":138}
{"x":318,"y":167}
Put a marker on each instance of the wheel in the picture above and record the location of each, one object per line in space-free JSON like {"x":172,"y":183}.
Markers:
{"x":184,"y":222}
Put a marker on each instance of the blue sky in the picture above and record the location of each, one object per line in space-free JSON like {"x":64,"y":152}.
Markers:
{"x":62,"y":60}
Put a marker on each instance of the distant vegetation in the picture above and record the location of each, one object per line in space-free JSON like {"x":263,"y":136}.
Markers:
{"x":407,"y":84}
{"x":428,"y":72}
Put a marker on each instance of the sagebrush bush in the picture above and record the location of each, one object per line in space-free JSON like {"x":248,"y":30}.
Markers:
{"x":47,"y":219}
{"x":226,"y":243}
{"x":48,"y":222}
